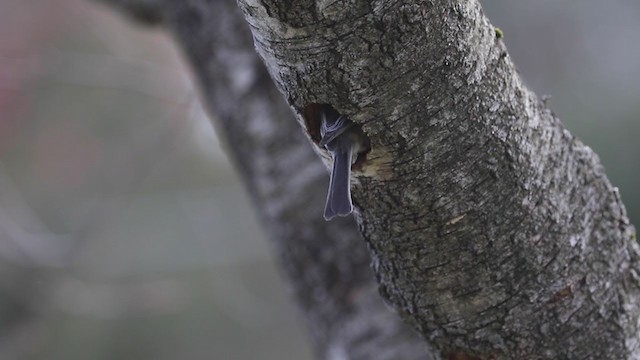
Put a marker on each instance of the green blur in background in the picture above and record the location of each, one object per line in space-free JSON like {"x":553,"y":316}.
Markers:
{"x":125,"y":234}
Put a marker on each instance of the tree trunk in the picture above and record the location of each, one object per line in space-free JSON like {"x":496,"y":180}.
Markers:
{"x":492,"y":230}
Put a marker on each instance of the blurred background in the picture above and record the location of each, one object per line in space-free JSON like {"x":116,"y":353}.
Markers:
{"x":120,"y":232}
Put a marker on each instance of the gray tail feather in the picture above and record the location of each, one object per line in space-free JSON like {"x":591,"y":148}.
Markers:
{"x":339,"y":197}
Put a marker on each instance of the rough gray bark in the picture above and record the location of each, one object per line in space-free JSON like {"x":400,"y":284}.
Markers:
{"x":327,"y":263}
{"x":491,"y":228}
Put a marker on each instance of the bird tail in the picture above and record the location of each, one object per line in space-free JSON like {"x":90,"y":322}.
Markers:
{"x":339,"y":197}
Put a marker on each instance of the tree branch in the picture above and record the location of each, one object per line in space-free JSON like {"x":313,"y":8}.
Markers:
{"x":145,"y":11}
{"x":327,"y":263}
{"x":492,"y":229}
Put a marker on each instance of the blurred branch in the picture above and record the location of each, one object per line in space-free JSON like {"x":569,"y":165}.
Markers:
{"x":25,"y":240}
{"x":327,"y":263}
{"x":144,"y":11}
